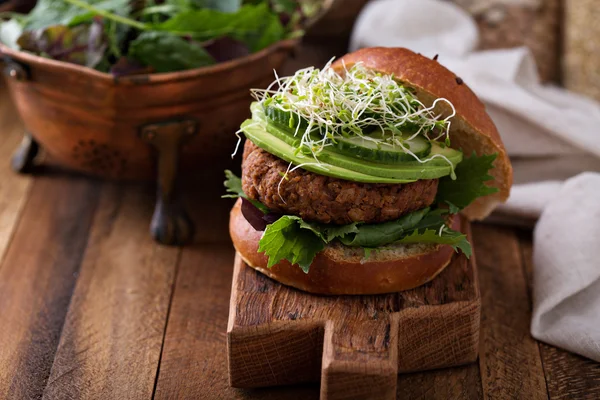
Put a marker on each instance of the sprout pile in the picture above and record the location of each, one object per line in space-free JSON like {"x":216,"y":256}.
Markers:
{"x":358,"y":102}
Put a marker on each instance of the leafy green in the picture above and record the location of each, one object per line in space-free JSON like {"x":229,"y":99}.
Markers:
{"x":51,"y":12}
{"x":119,"y":7}
{"x":229,"y":6}
{"x":373,"y":235}
{"x":452,"y":208}
{"x":256,"y":25}
{"x":327,"y":232}
{"x":288,"y":239}
{"x":59,"y":12}
{"x":166,"y":52}
{"x":233,"y":186}
{"x":83,"y":44}
{"x":445,"y":235}
{"x":163,"y":35}
{"x":272,"y":32}
{"x":299,"y":241}
{"x":471,"y":175}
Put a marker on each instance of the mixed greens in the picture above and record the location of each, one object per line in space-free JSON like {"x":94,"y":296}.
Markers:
{"x":361,"y":126}
{"x":131,"y":36}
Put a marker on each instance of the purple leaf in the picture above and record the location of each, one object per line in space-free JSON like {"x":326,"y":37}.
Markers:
{"x":253,"y":215}
{"x":128,"y":66}
{"x":226,"y":48}
{"x":256,"y":217}
{"x":82,"y":44}
{"x":271,"y":217}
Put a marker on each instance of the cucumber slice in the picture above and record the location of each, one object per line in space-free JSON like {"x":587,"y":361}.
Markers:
{"x":365,"y":149}
{"x":394,"y":171}
{"x":274,"y":128}
{"x":284,"y":119}
{"x":271,"y":143}
{"x":282,"y":143}
{"x":341,"y":166}
{"x":355,"y":146}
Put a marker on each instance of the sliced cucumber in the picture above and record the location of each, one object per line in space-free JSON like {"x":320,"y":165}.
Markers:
{"x":271,"y":139}
{"x":394,"y":171}
{"x":285,"y":119}
{"x":370,"y":150}
{"x":275,"y":129}
{"x":281,"y":142}
{"x":354,"y":146}
{"x":271,"y":143}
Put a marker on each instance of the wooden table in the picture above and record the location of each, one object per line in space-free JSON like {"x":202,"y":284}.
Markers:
{"x":92,"y":308}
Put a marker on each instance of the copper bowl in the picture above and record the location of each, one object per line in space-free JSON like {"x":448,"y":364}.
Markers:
{"x":136,"y":127}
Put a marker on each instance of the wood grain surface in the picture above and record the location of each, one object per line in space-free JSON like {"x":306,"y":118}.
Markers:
{"x":37,"y":277}
{"x":91,"y":308}
{"x":509,"y":357}
{"x":112,"y":337}
{"x":13,"y":187}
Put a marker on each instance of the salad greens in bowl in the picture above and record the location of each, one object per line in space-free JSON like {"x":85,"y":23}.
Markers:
{"x":125,"y":37}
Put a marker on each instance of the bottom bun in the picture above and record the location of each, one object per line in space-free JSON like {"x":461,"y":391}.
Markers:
{"x":341,"y":269}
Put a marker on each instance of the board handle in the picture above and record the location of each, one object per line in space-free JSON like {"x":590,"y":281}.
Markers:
{"x":360,"y":359}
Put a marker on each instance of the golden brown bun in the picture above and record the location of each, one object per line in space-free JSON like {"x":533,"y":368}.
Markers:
{"x":341,"y":269}
{"x":472,"y":129}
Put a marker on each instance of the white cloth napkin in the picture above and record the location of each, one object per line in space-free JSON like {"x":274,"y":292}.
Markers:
{"x":552,"y":136}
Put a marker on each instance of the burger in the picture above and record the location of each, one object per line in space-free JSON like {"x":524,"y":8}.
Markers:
{"x":354,"y":175}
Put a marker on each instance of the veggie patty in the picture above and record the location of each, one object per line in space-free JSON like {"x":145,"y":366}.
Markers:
{"x":319,"y":198}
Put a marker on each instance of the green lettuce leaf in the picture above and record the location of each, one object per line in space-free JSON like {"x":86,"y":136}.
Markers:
{"x":229,"y":6}
{"x":298,"y":241}
{"x":166,"y":52}
{"x":373,"y":235}
{"x":256,"y":26}
{"x":327,"y":232}
{"x":54,"y":12}
{"x":457,"y":240}
{"x":471,"y":175}
{"x":220,"y":5}
{"x":233,"y":186}
{"x":287,"y":239}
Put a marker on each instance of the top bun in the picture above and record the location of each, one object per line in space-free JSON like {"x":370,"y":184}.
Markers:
{"x":472,"y":128}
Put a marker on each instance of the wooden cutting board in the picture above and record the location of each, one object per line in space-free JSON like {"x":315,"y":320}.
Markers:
{"x":356,"y":345}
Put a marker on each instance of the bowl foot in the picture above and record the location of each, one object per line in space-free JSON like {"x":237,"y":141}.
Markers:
{"x":23,"y":159}
{"x":171,"y":225}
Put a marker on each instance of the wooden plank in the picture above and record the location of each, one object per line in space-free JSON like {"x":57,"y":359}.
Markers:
{"x":568,"y":375}
{"x":111,"y":342}
{"x":449,"y":383}
{"x":37,"y":278}
{"x":510,"y":361}
{"x":14,"y":187}
{"x":194,"y":360}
